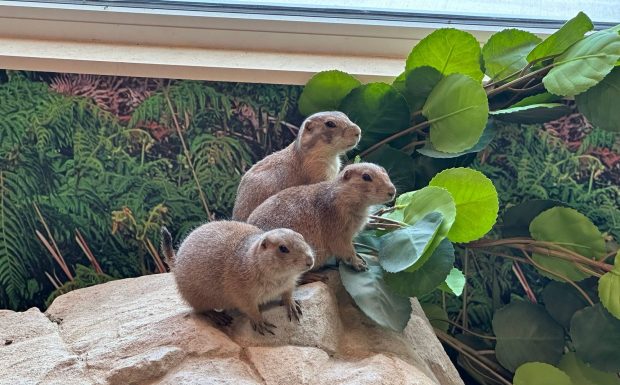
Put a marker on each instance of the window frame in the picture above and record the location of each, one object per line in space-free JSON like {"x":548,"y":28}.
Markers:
{"x":215,"y":43}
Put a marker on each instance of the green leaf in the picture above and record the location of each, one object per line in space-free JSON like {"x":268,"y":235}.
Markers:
{"x":436,"y":316}
{"x":455,"y":282}
{"x":377,"y":107}
{"x":538,"y":373}
{"x":569,"y":229}
{"x":400,"y":166}
{"x":609,"y":289}
{"x":517,"y":219}
{"x":325,"y":90}
{"x":373,"y":296}
{"x":544,"y":97}
{"x":487,"y":136}
{"x":582,"y":374}
{"x":416,"y":84}
{"x":596,"y":337}
{"x":423,"y":202}
{"x":426,"y":278}
{"x":476,"y":202}
{"x":403,"y":247}
{"x":533,"y":113}
{"x":562,"y":301}
{"x":505,"y":51}
{"x":599,"y":103}
{"x":570,"y":33}
{"x":584,"y":64}
{"x":449,"y":51}
{"x":526,"y":332}
{"x":458,"y":110}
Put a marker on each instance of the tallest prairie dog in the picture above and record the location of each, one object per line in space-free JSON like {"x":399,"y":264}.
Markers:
{"x":312,"y":158}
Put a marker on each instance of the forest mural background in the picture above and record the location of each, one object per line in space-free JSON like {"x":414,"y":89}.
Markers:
{"x":92,"y":166}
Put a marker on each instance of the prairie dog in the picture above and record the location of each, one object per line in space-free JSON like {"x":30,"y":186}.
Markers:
{"x":329,"y":214}
{"x":313,"y":157}
{"x":234,"y":265}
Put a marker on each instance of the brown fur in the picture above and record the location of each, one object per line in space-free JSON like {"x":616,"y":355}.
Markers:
{"x":313,"y":157}
{"x":234,"y":265}
{"x":328,"y":214}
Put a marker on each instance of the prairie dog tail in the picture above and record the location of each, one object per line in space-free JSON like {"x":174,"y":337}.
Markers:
{"x":166,"y":246}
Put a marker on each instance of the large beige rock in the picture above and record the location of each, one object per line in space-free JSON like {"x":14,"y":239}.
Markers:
{"x":139,"y":332}
{"x":319,"y":326}
{"x":33,"y":352}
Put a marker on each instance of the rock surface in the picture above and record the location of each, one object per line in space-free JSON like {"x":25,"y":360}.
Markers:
{"x":139,"y":331}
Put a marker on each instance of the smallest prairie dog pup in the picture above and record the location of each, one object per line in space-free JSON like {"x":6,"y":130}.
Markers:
{"x":313,"y":157}
{"x":329,"y":214}
{"x":233,"y":265}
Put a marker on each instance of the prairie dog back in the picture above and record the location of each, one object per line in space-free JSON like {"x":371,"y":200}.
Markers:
{"x":313,"y":157}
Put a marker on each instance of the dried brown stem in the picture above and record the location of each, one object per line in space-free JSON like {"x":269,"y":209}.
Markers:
{"x":89,"y":254}
{"x":57,"y":257}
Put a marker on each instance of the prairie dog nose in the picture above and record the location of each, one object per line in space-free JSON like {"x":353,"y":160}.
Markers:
{"x":392,"y":191}
{"x":356,"y":130}
{"x":309,"y":261}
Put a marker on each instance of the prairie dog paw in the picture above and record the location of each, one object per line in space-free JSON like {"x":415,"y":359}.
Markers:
{"x":263,"y":327}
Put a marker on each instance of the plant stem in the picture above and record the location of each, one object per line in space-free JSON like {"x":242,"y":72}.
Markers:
{"x":566,"y":279}
{"x":517,"y":81}
{"x":395,"y":136}
{"x":187,"y":154}
{"x":496,"y":370}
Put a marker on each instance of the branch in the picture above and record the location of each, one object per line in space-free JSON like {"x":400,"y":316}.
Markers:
{"x":395,"y":136}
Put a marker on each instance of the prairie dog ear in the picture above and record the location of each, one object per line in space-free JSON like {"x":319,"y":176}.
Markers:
{"x":265,"y":242}
{"x":308,"y":125}
{"x":347,"y":174}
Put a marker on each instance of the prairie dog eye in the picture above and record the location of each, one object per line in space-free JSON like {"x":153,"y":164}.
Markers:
{"x":283,"y":249}
{"x":367,"y":177}
{"x":330,"y":124}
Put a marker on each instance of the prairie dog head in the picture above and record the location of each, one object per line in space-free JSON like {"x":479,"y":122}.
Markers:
{"x":285,"y":251}
{"x":369,"y":181}
{"x":329,"y":130}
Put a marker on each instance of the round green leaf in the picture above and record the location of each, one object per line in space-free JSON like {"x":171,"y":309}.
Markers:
{"x":455,"y":282}
{"x":325,"y":90}
{"x":458,"y":110}
{"x":609,"y":289}
{"x":505,"y":51}
{"x":517,"y":219}
{"x":562,"y":301}
{"x":572,"y":230}
{"x":599,"y":103}
{"x":449,"y":51}
{"x":596,"y":337}
{"x":423,"y":202}
{"x":476,"y":202}
{"x":373,"y":296}
{"x":538,"y":373}
{"x":570,"y":33}
{"x":584,"y":64}
{"x":487,"y":136}
{"x":533,"y":113}
{"x":399,"y":163}
{"x":416,"y":84}
{"x":377,"y":107}
{"x":582,"y":374}
{"x":403,"y":247}
{"x":526,"y":332}
{"x":426,"y":278}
